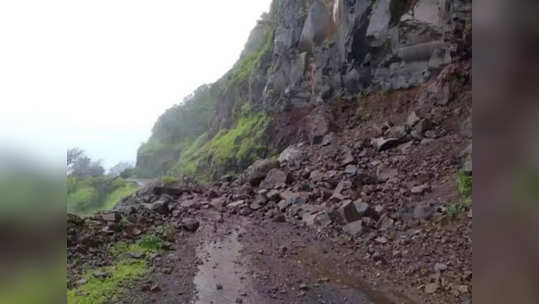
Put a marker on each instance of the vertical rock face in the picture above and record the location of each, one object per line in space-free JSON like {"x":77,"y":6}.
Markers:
{"x":304,"y":55}
{"x":317,"y":27}
{"x":346,"y":47}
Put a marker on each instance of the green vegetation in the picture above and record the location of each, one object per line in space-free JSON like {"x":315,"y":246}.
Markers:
{"x":245,"y":66}
{"x":168,"y":180}
{"x":175,"y":130}
{"x":189,"y":160}
{"x":188,"y":119}
{"x":118,"y":194}
{"x":183,"y":141}
{"x":88,"y":195}
{"x":239,"y":142}
{"x":121,"y":275}
{"x":231,"y":149}
{"x":464,"y":184}
{"x":151,"y":242}
{"x":455,"y":209}
{"x":97,"y":290}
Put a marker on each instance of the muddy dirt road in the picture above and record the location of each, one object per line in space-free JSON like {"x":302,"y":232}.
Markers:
{"x":246,"y":260}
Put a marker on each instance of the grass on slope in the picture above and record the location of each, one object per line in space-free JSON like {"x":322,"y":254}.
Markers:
{"x":231,"y":148}
{"x":88,"y":195}
{"x":245,"y":66}
{"x":464,"y":184}
{"x":117,"y":195}
{"x":122,"y":275}
{"x":107,"y":290}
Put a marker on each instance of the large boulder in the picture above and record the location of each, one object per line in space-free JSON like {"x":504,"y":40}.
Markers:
{"x":352,"y":211}
{"x":292,"y":155}
{"x":159,"y":206}
{"x":259,"y":169}
{"x":353,"y":229}
{"x":190,"y":224}
{"x":382,"y":143}
{"x":274,"y":178}
{"x":111,"y":216}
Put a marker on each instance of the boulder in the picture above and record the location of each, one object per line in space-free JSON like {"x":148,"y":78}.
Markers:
{"x":351,"y":169}
{"x":353,"y":229}
{"x":111,"y":217}
{"x":283,"y":204}
{"x":382,"y":143}
{"x":420,"y":128}
{"x":292,"y":155}
{"x":381,"y":240}
{"x":189,"y":203}
{"x":322,"y":220}
{"x":431,"y":287}
{"x":245,"y":211}
{"x":318,"y":125}
{"x":160,"y":206}
{"x":316,"y":176}
{"x":348,"y":158}
{"x":412,"y":119}
{"x":218,"y":203}
{"x":350,"y":211}
{"x":255,"y":205}
{"x":329,"y":139}
{"x":362,"y":208}
{"x":423,"y":211}
{"x":273,"y":195}
{"x":256,"y":172}
{"x":190,"y":224}
{"x":363,"y":179}
{"x":236,"y":204}
{"x":275,"y":177}
{"x":420,"y":189}
{"x":289,"y":198}
{"x":337,"y":193}
{"x":397,"y":132}
{"x":261,"y":199}
{"x":385,"y":223}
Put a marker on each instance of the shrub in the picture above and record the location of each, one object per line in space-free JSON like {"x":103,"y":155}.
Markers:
{"x":168,"y":180}
{"x":464,"y":185}
{"x":86,"y":196}
{"x":151,"y":242}
{"x":455,"y":209}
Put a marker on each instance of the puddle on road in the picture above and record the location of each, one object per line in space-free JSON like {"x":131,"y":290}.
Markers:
{"x":223,"y":265}
{"x":320,"y":265}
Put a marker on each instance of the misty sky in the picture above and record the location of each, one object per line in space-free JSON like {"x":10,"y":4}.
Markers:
{"x":97,"y":74}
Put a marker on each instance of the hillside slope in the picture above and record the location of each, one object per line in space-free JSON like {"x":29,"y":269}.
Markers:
{"x":336,"y":158}
{"x":301,"y":58}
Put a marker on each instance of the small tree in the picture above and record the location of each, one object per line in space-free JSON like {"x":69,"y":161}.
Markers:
{"x":119,"y":168}
{"x":80,"y":165}
{"x":73,"y":155}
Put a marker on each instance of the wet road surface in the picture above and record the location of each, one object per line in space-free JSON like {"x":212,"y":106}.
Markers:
{"x":240,"y":260}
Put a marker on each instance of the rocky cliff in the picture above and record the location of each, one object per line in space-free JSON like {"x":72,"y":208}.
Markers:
{"x":302,"y":59}
{"x":340,"y":143}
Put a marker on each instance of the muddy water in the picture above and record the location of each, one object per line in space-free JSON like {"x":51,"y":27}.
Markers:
{"x":223,"y":277}
{"x":344,"y":280}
